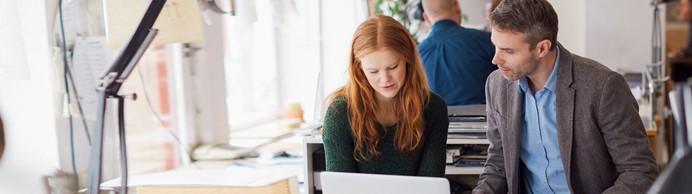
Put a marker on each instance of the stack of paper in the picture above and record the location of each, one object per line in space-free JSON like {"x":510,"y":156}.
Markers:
{"x":467,"y":119}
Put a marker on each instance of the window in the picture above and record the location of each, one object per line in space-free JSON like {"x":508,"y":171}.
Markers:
{"x":251,"y":66}
{"x":272,"y":59}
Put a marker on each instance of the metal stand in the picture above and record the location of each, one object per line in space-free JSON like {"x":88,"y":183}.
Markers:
{"x":108,"y":88}
{"x":654,"y":76}
{"x":123,"y":145}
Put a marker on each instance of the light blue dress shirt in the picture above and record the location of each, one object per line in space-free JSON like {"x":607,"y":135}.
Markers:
{"x":540,"y":151}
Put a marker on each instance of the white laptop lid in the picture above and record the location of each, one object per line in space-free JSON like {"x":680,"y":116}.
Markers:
{"x":349,"y":183}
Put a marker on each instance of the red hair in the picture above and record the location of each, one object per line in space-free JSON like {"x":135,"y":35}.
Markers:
{"x":377,"y":33}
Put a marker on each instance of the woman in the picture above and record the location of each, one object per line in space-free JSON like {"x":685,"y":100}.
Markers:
{"x":385,"y":120}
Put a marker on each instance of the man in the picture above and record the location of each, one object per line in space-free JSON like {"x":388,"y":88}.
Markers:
{"x":457,"y":60}
{"x":557,"y":122}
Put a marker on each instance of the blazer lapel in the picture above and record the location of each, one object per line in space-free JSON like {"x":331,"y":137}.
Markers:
{"x":515,"y":103}
{"x":565,"y":108}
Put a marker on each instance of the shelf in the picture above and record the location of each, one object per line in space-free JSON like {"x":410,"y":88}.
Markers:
{"x":452,"y":170}
{"x":318,"y":140}
{"x":468,"y":141}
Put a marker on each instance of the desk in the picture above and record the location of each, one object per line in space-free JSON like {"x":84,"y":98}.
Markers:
{"x":314,"y":143}
{"x":652,"y":131}
{"x":223,"y":176}
{"x":652,"y":139}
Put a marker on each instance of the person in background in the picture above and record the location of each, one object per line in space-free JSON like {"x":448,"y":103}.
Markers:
{"x":490,"y":5}
{"x":557,"y":122}
{"x":457,"y":60}
{"x":385,"y":120}
{"x":685,"y":14}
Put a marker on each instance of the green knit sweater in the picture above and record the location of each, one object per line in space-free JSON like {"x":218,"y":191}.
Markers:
{"x":339,"y":144}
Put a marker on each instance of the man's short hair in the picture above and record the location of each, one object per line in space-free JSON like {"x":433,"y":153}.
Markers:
{"x":437,"y":7}
{"x":536,"y":19}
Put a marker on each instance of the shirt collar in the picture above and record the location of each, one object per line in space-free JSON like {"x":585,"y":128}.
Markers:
{"x":552,"y":79}
{"x":444,"y":24}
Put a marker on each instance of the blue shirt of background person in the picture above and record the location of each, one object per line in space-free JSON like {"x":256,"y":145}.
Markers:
{"x":457,"y":60}
{"x":540,"y":151}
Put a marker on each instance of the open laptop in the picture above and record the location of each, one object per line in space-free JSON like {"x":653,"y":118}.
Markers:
{"x":349,"y":183}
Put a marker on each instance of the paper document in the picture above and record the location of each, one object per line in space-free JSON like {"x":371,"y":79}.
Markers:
{"x":467,"y":127}
{"x":89,"y":62}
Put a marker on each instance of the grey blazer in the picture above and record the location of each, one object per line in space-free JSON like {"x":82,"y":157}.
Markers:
{"x":602,"y":139}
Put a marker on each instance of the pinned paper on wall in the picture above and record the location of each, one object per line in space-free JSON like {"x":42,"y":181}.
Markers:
{"x":179,"y":21}
{"x":91,"y":58}
{"x":12,"y":57}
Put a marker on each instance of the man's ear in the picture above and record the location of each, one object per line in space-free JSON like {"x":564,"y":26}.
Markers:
{"x":427,"y":20}
{"x":457,"y":7}
{"x":543,"y":47}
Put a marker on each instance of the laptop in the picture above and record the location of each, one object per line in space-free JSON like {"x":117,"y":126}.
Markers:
{"x":349,"y":183}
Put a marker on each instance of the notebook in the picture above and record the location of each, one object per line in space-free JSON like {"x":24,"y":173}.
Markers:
{"x":349,"y":183}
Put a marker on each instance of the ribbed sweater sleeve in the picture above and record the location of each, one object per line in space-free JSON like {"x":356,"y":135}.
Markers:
{"x":337,"y":137}
{"x":435,"y":148}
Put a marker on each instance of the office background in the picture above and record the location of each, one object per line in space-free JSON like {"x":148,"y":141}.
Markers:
{"x":617,"y":33}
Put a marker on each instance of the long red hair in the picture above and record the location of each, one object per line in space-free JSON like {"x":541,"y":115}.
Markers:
{"x":376,"y":33}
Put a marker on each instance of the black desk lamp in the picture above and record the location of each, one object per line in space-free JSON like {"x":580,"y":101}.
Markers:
{"x":108,"y":88}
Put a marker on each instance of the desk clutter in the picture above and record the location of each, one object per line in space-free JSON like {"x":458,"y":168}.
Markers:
{"x":467,"y":122}
{"x":467,"y":155}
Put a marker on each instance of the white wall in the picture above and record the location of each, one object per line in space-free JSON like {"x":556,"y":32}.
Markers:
{"x":474,"y":10}
{"x":572,"y":24}
{"x":28,"y":109}
{"x":618,"y":33}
